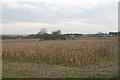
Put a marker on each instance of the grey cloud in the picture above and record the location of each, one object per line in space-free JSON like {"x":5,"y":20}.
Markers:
{"x":97,"y":14}
{"x":101,"y":14}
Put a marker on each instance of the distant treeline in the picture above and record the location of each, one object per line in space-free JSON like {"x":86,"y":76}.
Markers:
{"x":12,"y":37}
{"x":43,"y":35}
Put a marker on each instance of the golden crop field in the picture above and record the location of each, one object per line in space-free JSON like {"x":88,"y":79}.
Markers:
{"x":68,"y":52}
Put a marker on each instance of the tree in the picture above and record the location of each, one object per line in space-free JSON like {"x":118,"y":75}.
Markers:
{"x":42,"y":34}
{"x":42,"y":31}
{"x":45,"y":36}
{"x":100,"y":34}
{"x":56,"y":34}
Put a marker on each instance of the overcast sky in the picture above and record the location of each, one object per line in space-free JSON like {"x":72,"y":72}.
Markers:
{"x":70,"y":16}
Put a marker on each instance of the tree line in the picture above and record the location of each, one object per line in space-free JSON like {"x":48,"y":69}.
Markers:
{"x":43,"y":35}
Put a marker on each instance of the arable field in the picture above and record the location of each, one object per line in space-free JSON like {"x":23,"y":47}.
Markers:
{"x":79,"y":58}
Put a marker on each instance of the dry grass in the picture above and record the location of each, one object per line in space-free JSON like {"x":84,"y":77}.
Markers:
{"x":69,"y":52}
